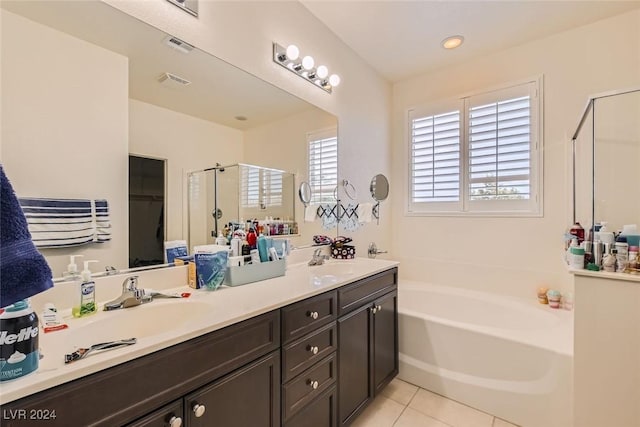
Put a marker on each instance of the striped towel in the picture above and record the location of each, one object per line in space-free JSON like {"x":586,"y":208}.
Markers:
{"x":56,"y":223}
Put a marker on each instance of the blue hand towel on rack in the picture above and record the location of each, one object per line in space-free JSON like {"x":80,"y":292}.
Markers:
{"x":23,"y":270}
{"x":56,"y":223}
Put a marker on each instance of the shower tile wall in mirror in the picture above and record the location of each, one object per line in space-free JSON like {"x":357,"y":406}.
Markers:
{"x":78,"y":98}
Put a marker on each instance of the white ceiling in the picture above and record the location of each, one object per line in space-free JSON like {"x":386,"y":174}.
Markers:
{"x":218,"y":92}
{"x":401,"y":39}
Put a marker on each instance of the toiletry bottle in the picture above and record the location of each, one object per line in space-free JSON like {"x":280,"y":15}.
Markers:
{"x":252,"y":238}
{"x":86,"y":294}
{"x":221,"y":240}
{"x":262,"y":248}
{"x":72,"y":268}
{"x":236,"y":247}
{"x":622,"y":257}
{"x":577,"y":231}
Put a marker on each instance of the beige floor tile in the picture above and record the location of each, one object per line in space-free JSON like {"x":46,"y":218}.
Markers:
{"x":497,"y":422}
{"x":400,"y":391}
{"x":412,"y":418}
{"x":382,"y":412}
{"x":449,"y":411}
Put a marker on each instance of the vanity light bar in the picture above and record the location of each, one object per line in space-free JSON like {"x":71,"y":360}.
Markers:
{"x":289,"y":58}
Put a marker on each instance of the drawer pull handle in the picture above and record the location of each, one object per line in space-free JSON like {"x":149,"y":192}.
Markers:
{"x":379,"y":308}
{"x":175,"y":421}
{"x":313,"y":384}
{"x":313,"y":314}
{"x":199,"y":410}
{"x":374,"y":310}
{"x":313,"y":349}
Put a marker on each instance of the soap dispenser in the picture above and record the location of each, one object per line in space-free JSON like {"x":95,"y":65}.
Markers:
{"x":72,"y":268}
{"x":86,"y":304}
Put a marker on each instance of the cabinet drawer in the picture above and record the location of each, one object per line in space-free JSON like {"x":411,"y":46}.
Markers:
{"x":300,"y":354}
{"x":366,"y":290}
{"x":167,"y":416}
{"x":322,"y":412}
{"x":304,"y":316}
{"x":308,"y":385}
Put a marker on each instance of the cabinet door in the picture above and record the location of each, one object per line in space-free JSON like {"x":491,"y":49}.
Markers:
{"x":355,"y":357}
{"x":385,"y":340}
{"x":249,"y":396}
{"x":167,"y":416}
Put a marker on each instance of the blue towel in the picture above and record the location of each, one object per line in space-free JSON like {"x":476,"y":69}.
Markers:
{"x":23,"y":270}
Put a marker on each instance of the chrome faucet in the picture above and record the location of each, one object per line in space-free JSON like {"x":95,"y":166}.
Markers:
{"x":318,"y":258}
{"x":131,"y":295}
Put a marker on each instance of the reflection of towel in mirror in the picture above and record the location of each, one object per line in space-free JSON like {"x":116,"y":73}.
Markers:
{"x":310,"y":212}
{"x":56,"y":223}
{"x":364,"y":212}
{"x":23,"y":270}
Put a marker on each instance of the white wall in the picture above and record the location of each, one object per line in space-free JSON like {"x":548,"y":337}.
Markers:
{"x":59,"y":125}
{"x":271,"y":146}
{"x":513,"y":255}
{"x":242,"y":33}
{"x":188,"y":143}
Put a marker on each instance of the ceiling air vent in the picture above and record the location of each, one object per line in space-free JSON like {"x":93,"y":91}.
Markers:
{"x":177,"y":44}
{"x":173,"y":81}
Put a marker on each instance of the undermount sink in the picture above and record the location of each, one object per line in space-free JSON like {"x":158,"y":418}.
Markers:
{"x":331,"y":272}
{"x":153,"y":318}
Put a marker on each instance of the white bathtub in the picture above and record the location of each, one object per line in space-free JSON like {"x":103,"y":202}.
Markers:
{"x":506,"y":356}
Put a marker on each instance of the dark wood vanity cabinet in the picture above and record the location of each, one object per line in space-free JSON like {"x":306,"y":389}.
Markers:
{"x":367,"y":342}
{"x":315,"y":363}
{"x":127,"y":392}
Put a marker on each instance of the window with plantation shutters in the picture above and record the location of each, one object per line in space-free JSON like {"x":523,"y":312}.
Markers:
{"x":323,"y":165}
{"x":260,"y":188}
{"x":435,"y":158}
{"x":249,"y":186}
{"x":483,"y":158}
{"x":273,"y":186}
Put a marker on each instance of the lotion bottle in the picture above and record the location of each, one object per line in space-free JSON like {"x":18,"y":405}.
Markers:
{"x":86,"y":304}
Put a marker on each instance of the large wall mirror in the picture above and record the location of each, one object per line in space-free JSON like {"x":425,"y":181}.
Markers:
{"x":85,"y":86}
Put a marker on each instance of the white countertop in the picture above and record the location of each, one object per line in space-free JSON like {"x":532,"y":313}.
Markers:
{"x":607,"y":275}
{"x":223,"y":307}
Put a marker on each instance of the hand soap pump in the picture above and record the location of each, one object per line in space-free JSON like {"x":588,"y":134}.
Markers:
{"x":72,"y":268}
{"x":86,"y":294}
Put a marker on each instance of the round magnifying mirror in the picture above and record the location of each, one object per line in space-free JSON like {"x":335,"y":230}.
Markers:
{"x":379,"y":187}
{"x":304,"y":191}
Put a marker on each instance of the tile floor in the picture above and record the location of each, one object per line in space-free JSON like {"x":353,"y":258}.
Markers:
{"x":405,"y":405}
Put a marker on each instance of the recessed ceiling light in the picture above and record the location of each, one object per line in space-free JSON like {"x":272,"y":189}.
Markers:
{"x":240,"y":118}
{"x":452,"y":42}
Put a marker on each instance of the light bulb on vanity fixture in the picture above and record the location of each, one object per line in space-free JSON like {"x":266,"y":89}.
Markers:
{"x":289,"y":58}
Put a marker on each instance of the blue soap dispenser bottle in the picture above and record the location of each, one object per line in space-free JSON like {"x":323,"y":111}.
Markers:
{"x":86,"y":303}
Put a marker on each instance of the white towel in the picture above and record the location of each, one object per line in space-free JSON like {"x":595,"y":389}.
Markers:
{"x":310,"y":212}
{"x":364,"y":212}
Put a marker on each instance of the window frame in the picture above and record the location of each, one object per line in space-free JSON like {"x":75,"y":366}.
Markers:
{"x":532,"y":207}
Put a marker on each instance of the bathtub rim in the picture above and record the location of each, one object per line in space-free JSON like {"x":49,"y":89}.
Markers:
{"x":557,"y":338}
